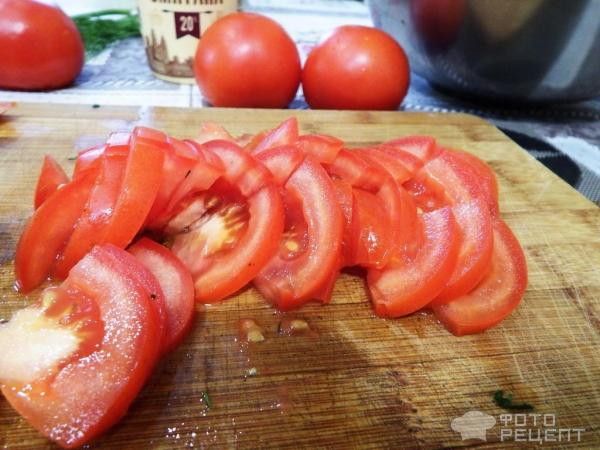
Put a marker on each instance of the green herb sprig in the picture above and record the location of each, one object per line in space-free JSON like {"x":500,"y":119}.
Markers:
{"x":98,"y":31}
{"x":506,"y":402}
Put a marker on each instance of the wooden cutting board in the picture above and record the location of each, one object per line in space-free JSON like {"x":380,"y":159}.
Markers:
{"x":354,"y":381}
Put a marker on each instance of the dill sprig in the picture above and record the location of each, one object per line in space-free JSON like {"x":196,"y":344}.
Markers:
{"x":98,"y":31}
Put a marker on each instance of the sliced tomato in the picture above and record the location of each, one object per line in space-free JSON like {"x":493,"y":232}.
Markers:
{"x":411,"y":283}
{"x":423,"y":147}
{"x":448,"y":179}
{"x":286,"y":133}
{"x":373,"y":250}
{"x":370,"y":232}
{"x":496,"y":296}
{"x":475,"y":253}
{"x":489,"y":183}
{"x":210,"y":131}
{"x":118,"y":142}
{"x":51,"y":178}
{"x":281,"y":161}
{"x":96,"y":215}
{"x":139,"y":188}
{"x":177,"y":287}
{"x":378,"y":157}
{"x":343,"y":195}
{"x":408,"y":160}
{"x":309,"y":252}
{"x":232,"y":229}
{"x":73,"y":363}
{"x":321,"y":147}
{"x":47,"y":231}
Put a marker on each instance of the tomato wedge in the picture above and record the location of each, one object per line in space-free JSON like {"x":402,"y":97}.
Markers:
{"x":47,"y":231}
{"x":375,"y":247}
{"x":408,"y":160}
{"x":496,"y":296}
{"x":423,"y":147}
{"x":286,"y":133}
{"x":51,"y":178}
{"x":310,"y":250}
{"x":449,"y":179}
{"x":475,"y":253}
{"x":386,"y":161}
{"x":73,"y":363}
{"x":226,"y":234}
{"x":176,"y":284}
{"x":320,"y":146}
{"x":96,"y":214}
{"x":411,"y":283}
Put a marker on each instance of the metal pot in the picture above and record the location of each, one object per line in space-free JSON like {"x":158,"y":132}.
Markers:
{"x":510,"y":50}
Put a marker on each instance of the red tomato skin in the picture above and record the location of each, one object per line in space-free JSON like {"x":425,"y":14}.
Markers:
{"x":290,"y":283}
{"x":496,"y":296}
{"x":281,"y":161}
{"x":40,"y":46}
{"x":356,"y":67}
{"x":96,"y":215}
{"x":68,"y":414}
{"x":286,"y":133}
{"x":423,"y":147}
{"x":177,"y":286}
{"x":320,"y":146}
{"x":412,"y":283}
{"x":475,"y":254}
{"x":47,"y":232}
{"x":51,"y":178}
{"x":247,"y":60}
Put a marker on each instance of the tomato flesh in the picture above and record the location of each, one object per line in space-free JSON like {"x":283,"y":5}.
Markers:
{"x":176,"y":284}
{"x":225,"y":235}
{"x":286,"y":133}
{"x":310,"y":249}
{"x":475,"y":223}
{"x":47,"y":232}
{"x":321,"y":147}
{"x":496,"y":296}
{"x":51,"y":178}
{"x":96,"y":299}
{"x":423,"y":147}
{"x":411,"y":283}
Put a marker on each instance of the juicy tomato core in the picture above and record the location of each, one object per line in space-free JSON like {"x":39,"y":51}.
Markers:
{"x":295,"y":234}
{"x":218,"y":220}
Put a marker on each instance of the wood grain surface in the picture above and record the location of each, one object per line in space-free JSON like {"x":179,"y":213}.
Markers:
{"x":355,"y":381}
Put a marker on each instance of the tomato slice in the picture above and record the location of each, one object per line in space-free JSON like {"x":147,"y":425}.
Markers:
{"x":320,"y":146}
{"x":309,"y":252}
{"x":489,"y":183}
{"x":210,"y":131}
{"x":343,"y":195}
{"x":496,"y":296}
{"x":286,"y":133}
{"x":408,"y":160}
{"x":225,"y":235}
{"x":47,"y":231}
{"x":377,"y":157}
{"x":370,"y":232}
{"x":281,"y":161}
{"x":51,"y":178}
{"x":176,"y":284}
{"x":475,"y":223}
{"x":139,"y":189}
{"x":423,"y":147}
{"x":367,"y":248}
{"x":411,"y":283}
{"x":118,"y":143}
{"x":96,"y":214}
{"x":73,"y":363}
{"x":448,"y":179}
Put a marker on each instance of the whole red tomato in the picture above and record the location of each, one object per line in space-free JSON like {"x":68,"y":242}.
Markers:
{"x":247,"y":60}
{"x":356,"y":67}
{"x":40,"y":46}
